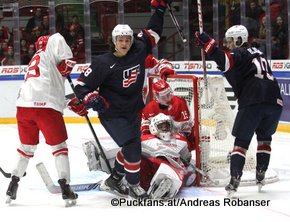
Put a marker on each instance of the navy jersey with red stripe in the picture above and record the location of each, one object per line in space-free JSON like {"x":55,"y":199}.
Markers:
{"x":248,"y":72}
{"x":120,"y":80}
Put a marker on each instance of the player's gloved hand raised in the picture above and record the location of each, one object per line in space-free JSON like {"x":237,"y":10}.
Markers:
{"x":96,"y":102}
{"x":66,"y":66}
{"x":206,"y":42}
{"x":156,"y":3}
{"x":165,"y":69}
{"x":77,"y":107}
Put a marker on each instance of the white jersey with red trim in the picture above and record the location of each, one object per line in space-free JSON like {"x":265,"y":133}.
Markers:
{"x":174,"y":150}
{"x":44,"y":85}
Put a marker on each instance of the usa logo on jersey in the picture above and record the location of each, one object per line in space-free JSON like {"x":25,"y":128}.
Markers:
{"x":130,"y":76}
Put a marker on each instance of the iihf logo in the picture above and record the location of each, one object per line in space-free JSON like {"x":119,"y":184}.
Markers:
{"x":130,"y":75}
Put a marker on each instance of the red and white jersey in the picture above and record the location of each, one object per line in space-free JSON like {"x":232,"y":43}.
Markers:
{"x":174,"y":150}
{"x":178,"y":110}
{"x":44,"y":85}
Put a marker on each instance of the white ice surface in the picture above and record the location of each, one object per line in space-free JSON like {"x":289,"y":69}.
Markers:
{"x":35,"y":203}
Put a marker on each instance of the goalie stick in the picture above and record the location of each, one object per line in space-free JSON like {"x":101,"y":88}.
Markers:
{"x":91,"y":128}
{"x":52,"y":188}
{"x":7,"y":175}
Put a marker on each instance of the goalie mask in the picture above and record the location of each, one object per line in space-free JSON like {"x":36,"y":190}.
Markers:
{"x":238,"y":34}
{"x":41,"y":42}
{"x":122,"y":30}
{"x":162,"y":92}
{"x":161,"y":126}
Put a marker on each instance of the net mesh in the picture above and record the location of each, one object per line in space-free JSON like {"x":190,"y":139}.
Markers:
{"x":215,"y":120}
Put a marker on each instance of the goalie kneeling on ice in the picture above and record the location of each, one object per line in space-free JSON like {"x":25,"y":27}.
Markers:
{"x":95,"y":159}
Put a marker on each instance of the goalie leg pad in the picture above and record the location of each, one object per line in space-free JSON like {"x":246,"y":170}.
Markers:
{"x":165,"y":183}
{"x":95,"y":159}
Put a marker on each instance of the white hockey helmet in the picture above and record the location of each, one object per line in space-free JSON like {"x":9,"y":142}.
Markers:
{"x":121,"y":30}
{"x":239,"y":35}
{"x":161,"y":126}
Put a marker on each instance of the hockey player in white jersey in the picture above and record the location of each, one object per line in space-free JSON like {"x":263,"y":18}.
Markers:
{"x":40,"y":105}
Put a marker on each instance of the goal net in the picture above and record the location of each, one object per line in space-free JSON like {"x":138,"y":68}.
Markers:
{"x":213,"y":120}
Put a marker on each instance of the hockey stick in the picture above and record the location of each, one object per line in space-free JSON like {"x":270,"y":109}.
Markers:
{"x":7,"y":175}
{"x":91,"y":128}
{"x":200,"y":23}
{"x":177,"y":26}
{"x":52,"y":188}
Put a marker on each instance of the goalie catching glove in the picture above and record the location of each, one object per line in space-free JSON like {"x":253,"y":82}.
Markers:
{"x":206,"y":42}
{"x":77,"y":107}
{"x":66,"y":66}
{"x":96,"y":102}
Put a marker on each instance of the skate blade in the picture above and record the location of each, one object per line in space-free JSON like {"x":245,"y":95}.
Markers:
{"x":260,"y":185}
{"x":70,"y":203}
{"x":104,"y":187}
{"x":8,"y":200}
{"x":231,"y":194}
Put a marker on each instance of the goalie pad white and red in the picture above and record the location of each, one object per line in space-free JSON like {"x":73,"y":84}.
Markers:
{"x":165,"y":184}
{"x":95,"y":159}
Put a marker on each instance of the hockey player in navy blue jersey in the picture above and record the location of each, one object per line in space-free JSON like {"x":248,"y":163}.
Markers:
{"x":112,"y":86}
{"x":259,"y":99}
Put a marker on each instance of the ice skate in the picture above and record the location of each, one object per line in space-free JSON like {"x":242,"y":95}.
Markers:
{"x":232,"y":187}
{"x":67,"y":194}
{"x":12,"y":189}
{"x":260,"y":179}
{"x":160,"y":190}
{"x":137,"y":192}
{"x":115,"y":185}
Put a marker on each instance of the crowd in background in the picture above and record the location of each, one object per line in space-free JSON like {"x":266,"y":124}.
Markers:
{"x":37,"y":26}
{"x":73,"y":31}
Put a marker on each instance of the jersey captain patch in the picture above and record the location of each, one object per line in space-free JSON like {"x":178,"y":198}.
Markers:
{"x":130,"y":76}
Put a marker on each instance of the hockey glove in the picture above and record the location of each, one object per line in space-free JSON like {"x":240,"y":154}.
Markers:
{"x":75,"y":106}
{"x":165,"y":69}
{"x":206,"y":42}
{"x":96,"y":102}
{"x":163,"y":3}
{"x":66,"y":66}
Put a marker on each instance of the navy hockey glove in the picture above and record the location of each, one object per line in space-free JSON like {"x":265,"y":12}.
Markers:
{"x":96,"y":102}
{"x":77,"y":107}
{"x":206,"y":42}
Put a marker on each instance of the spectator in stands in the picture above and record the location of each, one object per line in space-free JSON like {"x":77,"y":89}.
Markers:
{"x":25,"y":58}
{"x":253,"y":15}
{"x":9,"y":59}
{"x":79,"y":30}
{"x":44,"y":26}
{"x":280,"y":37}
{"x":76,"y":43}
{"x":36,"y":33}
{"x":262,"y":28}
{"x":35,"y":21}
{"x":59,"y":21}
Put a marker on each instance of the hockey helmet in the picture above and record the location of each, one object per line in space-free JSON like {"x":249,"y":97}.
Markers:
{"x":161,"y":126}
{"x":238,"y":34}
{"x":162,"y":92}
{"x":121,"y":30}
{"x":41,"y":42}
